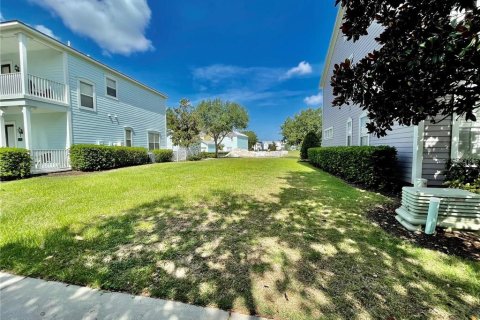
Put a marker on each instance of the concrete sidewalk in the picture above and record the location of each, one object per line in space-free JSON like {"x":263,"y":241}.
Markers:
{"x":28,"y":298}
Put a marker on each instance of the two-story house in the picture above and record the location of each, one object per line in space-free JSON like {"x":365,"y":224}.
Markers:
{"x":423,"y":150}
{"x":53,"y":96}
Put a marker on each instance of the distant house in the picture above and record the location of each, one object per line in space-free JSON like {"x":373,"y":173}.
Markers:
{"x":233,"y":140}
{"x":53,"y":96}
{"x":423,"y":150}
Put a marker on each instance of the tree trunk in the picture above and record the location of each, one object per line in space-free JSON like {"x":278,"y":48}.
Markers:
{"x":215,"y":139}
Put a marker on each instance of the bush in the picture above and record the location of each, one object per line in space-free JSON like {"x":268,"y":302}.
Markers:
{"x":205,"y":155}
{"x":14,"y":163}
{"x":90,"y":157}
{"x":194,"y":157}
{"x":463,"y":174}
{"x":310,"y":141}
{"x":162,"y":155}
{"x":373,"y":167}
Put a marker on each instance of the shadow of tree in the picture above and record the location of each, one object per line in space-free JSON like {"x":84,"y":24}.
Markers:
{"x":306,"y":252}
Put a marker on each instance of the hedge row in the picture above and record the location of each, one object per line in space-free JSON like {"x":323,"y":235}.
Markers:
{"x":14,"y":163}
{"x":463,"y":174}
{"x":373,"y":167}
{"x":90,"y":157}
{"x":162,"y":155}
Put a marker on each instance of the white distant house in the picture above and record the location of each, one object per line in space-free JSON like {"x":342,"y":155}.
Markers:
{"x":53,"y":96}
{"x":233,"y":140}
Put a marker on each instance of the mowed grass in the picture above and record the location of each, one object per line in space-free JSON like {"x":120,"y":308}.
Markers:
{"x":273,"y":237}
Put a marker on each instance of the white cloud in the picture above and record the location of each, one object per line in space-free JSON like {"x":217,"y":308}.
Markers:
{"x":302,"y":69}
{"x":315,"y":100}
{"x":1,"y":17}
{"x":45,"y":30}
{"x":117,"y":26}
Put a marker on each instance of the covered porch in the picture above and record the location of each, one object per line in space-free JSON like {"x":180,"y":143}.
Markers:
{"x":45,"y":131}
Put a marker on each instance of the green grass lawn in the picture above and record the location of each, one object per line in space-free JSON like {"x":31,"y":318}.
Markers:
{"x":273,"y":237}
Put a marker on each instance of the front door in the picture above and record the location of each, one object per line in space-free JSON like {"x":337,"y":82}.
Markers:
{"x":10,"y":135}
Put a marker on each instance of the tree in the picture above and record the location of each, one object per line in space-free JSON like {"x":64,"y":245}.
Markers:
{"x":295,"y":129}
{"x":311,"y":141}
{"x":183,"y":124}
{"x":427,"y":63}
{"x":252,"y":138}
{"x":272,"y":147}
{"x":218,"y":118}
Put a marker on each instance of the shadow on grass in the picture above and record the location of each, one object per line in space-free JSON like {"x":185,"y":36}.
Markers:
{"x":305,"y":252}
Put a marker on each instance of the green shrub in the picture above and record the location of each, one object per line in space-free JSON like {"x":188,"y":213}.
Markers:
{"x":310,"y":141}
{"x":90,"y":157}
{"x":14,"y":163}
{"x":206,"y":155}
{"x":373,"y":167}
{"x":162,"y":155}
{"x":463,"y":174}
{"x":194,"y":157}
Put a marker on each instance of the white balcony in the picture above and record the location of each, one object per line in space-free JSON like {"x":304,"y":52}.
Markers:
{"x":11,"y":87}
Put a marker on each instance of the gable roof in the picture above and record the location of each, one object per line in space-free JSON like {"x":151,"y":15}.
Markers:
{"x":16,"y":24}
{"x":331,"y":46}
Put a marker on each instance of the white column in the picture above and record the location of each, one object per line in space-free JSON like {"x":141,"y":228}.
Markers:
{"x":3,"y":142}
{"x":68,"y":142}
{"x":27,"y":128}
{"x":65,"y":78}
{"x":22,"y":49}
{"x":418,"y":141}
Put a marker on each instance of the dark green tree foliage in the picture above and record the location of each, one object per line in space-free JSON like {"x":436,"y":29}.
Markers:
{"x":183,"y":124}
{"x":310,"y":141}
{"x":272,"y":147}
{"x":252,"y":138}
{"x":295,"y":129}
{"x":218,"y":118}
{"x":428,"y":62}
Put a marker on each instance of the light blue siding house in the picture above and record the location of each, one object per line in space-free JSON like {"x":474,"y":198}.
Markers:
{"x":233,"y":140}
{"x":53,"y":96}
{"x":423,"y":150}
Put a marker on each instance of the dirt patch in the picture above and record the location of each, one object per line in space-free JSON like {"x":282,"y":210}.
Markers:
{"x":453,"y":242}
{"x":62,"y":173}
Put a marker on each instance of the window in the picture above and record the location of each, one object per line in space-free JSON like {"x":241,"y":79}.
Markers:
{"x":349,"y":132}
{"x":153,"y":140}
{"x":6,"y":68}
{"x":128,"y":137}
{"x":328,"y":135}
{"x":363,"y":131}
{"x":111,"y":87}
{"x":87,"y":95}
{"x":469,"y":138}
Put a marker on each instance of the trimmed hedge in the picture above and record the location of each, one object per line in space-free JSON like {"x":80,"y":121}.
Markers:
{"x":310,"y":141}
{"x":14,"y":163}
{"x":205,"y":155}
{"x":91,"y":157}
{"x":463,"y":174}
{"x":162,"y":155}
{"x":373,"y":167}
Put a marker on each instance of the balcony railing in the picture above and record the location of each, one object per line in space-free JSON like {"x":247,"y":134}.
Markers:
{"x":11,"y":87}
{"x":44,"y":88}
{"x":10,"y":84}
{"x":46,"y":160}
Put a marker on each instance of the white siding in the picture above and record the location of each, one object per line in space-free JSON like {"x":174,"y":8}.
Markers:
{"x":46,"y":64}
{"x":436,"y":150}
{"x":400,"y":137}
{"x":136,"y":107}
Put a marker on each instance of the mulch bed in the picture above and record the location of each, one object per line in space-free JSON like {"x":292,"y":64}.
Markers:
{"x":453,"y":242}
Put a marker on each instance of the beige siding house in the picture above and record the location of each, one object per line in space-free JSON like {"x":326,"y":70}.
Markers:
{"x":423,"y":150}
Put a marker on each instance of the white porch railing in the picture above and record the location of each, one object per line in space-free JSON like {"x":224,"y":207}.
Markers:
{"x":46,"y":160}
{"x":10,"y":84}
{"x":44,"y":88}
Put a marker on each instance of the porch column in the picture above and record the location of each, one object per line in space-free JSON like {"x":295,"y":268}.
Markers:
{"x":22,"y":49}
{"x":27,"y":127}
{"x":69,"y":136}
{"x":3,"y":142}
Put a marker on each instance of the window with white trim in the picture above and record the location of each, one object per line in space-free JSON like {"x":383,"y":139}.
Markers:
{"x":111,"y":87}
{"x":87,"y":95}
{"x":349,"y":132}
{"x":153,"y":140}
{"x":469,"y":138}
{"x":364,"y":137}
{"x":328,"y":133}
{"x":128,"y":137}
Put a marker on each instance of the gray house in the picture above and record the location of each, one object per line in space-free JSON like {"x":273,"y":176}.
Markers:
{"x":423,"y":150}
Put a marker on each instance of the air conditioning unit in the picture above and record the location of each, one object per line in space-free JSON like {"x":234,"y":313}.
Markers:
{"x":459,"y":209}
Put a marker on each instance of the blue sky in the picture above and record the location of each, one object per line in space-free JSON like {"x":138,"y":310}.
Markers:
{"x":266,"y":55}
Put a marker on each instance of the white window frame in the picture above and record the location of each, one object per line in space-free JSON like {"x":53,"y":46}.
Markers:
{"x":125,"y":129}
{"x":363,"y":115}
{"x":456,"y":125}
{"x":326,"y":136}
{"x":10,"y":63}
{"x":94,"y":109}
{"x":106,"y":87}
{"x":148,"y":139}
{"x":349,"y":132}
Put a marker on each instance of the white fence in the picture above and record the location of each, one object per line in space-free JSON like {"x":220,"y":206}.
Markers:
{"x":10,"y":84}
{"x":44,"y":88}
{"x":50,"y":160}
{"x":182,"y":154}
